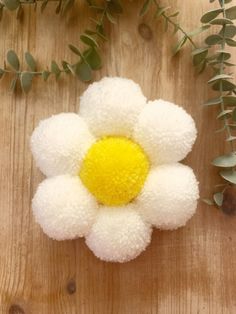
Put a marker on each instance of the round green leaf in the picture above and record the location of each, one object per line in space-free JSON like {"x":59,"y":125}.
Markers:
{"x":229,"y":175}
{"x":26,"y":81}
{"x":145,"y":7}
{"x":13,"y":60}
{"x":30,"y":61}
{"x":210,"y":15}
{"x":45,"y":75}
{"x":218,"y":198}
{"x":225,"y":161}
{"x":230,"y":42}
{"x":83,"y":71}
{"x":226,"y":85}
{"x":11,"y":4}
{"x":88,"y":40}
{"x":213,"y":40}
{"x":222,"y":21}
{"x":231,"y":13}
{"x":220,"y":77}
{"x":229,"y":100}
{"x":93,"y":59}
{"x":229,"y":31}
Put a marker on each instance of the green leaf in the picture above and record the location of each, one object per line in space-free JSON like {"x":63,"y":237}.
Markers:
{"x":83,"y":71}
{"x":45,"y":75}
{"x":231,"y":13}
{"x":231,"y":138}
{"x":160,"y":11}
{"x":110,"y":18}
{"x":75,"y":50}
{"x":174,"y":14}
{"x":145,"y":7}
{"x":213,"y":40}
{"x":220,"y":77}
{"x":229,"y":31}
{"x":218,"y":198}
{"x":210,"y":15}
{"x":201,"y":67}
{"x":26,"y":81}
{"x":198,"y":30}
{"x":43,"y":6}
{"x":55,"y":69}
{"x":14,"y":84}
{"x":224,"y":113}
{"x":222,"y":21}
{"x":225,"y":161}
{"x":88,"y":40}
{"x":58,"y":7}
{"x":65,"y":66}
{"x":230,"y":42}
{"x":13,"y":60}
{"x":229,"y":175}
{"x":229,"y":100}
{"x":30,"y":61}
{"x":66,"y":6}
{"x":199,"y":55}
{"x":179,"y":45}
{"x":211,"y":102}
{"x":11,"y":4}
{"x":93,"y":59}
{"x":115,"y":7}
{"x":226,"y":85}
{"x":223,"y":55}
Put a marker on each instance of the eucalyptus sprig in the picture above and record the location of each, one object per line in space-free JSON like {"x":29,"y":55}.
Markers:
{"x":215,"y":55}
{"x":88,"y":61}
{"x":61,"y":6}
{"x":170,"y":19}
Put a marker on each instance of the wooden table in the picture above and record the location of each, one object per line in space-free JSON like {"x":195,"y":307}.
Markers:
{"x":188,"y":271}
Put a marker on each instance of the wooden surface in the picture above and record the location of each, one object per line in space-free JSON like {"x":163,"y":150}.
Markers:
{"x":188,"y":271}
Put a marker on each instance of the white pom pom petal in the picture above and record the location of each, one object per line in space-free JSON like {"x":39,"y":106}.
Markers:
{"x":64,"y":208}
{"x":165,"y":131}
{"x":169,"y":197}
{"x":111,"y":106}
{"x":119,"y":234}
{"x":59,"y":144}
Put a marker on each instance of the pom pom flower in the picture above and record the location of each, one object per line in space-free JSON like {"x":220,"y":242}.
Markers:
{"x":113,"y":170}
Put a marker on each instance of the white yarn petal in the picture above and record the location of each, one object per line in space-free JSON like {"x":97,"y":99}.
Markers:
{"x":119,"y":234}
{"x":169,"y":197}
{"x":64,"y":208}
{"x":111,"y":106}
{"x":165,"y":131}
{"x":59,"y":144}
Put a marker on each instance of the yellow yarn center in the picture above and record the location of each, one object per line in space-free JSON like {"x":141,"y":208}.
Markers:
{"x":114,"y":170}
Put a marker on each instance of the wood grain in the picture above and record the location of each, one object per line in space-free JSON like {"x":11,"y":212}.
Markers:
{"x":188,"y":271}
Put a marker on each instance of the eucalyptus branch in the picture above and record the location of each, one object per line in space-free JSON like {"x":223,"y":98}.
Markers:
{"x":170,"y":19}
{"x":219,"y":61}
{"x":89,"y":60}
{"x":17,"y":5}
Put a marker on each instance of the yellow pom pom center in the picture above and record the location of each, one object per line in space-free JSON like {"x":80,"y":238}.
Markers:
{"x":114,"y":170}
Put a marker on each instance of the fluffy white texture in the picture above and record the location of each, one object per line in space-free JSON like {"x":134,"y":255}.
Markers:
{"x":111,"y":106}
{"x":64,"y":208}
{"x":119,"y":234}
{"x":59,"y":144}
{"x":169,"y":197}
{"x":165,"y":131}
